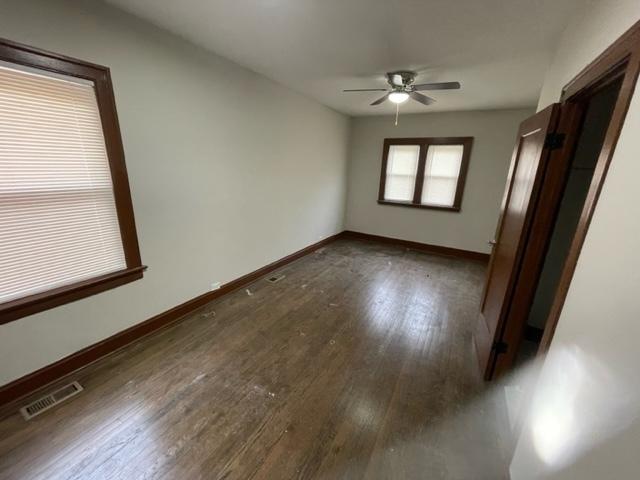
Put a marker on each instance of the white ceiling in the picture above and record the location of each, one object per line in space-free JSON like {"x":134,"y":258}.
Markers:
{"x":497,"y":49}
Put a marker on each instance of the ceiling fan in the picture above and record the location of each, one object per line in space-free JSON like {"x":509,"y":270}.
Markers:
{"x":402,"y":88}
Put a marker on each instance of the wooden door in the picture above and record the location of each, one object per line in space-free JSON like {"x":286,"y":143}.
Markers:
{"x":523,"y":184}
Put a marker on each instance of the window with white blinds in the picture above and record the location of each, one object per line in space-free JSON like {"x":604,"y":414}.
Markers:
{"x":58,"y":220}
{"x":424,"y":172}
{"x":441,"y":174}
{"x":402,"y":168}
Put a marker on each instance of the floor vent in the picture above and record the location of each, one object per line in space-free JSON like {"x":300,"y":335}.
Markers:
{"x":45,"y":403}
{"x":275,"y":278}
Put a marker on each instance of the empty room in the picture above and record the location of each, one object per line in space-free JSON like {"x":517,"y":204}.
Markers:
{"x":318,"y":239}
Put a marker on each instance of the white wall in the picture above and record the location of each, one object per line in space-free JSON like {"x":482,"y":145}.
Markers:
{"x":592,"y":29}
{"x":494,"y":135}
{"x":585,"y":419}
{"x":229,"y":171}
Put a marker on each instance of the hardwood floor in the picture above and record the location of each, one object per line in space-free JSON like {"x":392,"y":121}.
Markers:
{"x":358,"y":364}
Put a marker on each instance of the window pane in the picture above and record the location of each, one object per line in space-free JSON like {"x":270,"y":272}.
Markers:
{"x":58,"y":221}
{"x":402,"y":166}
{"x":441,"y":174}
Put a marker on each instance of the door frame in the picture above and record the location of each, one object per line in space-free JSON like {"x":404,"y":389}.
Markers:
{"x":620,"y":59}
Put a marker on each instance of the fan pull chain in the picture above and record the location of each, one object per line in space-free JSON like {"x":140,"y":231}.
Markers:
{"x":397,"y":111}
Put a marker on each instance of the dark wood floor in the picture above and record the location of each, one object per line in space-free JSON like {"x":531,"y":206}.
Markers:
{"x":358,"y":364}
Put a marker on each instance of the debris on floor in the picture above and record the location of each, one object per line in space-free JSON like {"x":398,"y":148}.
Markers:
{"x":263,"y":391}
{"x":249,"y":292}
{"x":332,"y":342}
{"x":198,"y":378}
{"x":334,"y":305}
{"x":209,"y":314}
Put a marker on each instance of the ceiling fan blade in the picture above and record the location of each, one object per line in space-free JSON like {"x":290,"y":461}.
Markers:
{"x":380,"y":100}
{"x":438,"y":86}
{"x":423,"y":99}
{"x":365,"y":90}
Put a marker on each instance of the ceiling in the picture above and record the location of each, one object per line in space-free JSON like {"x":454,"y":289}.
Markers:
{"x":497,"y":49}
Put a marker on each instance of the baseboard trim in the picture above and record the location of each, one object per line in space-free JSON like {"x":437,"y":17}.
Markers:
{"x":40,"y":378}
{"x":423,"y":247}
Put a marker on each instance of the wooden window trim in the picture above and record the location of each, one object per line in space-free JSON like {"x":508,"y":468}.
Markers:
{"x":424,"y":143}
{"x":16,"y":53}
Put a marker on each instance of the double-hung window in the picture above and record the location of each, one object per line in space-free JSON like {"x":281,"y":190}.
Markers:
{"x":66,"y":219}
{"x":424,"y":172}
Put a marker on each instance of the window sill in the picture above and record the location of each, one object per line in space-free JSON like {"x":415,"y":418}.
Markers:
{"x":38,"y":302}
{"x":418,"y":205}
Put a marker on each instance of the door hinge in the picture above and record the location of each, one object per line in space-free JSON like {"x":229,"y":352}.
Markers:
{"x":554,"y":141}
{"x":500,"y":347}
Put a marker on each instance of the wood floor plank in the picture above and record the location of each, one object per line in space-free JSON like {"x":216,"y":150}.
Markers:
{"x":357,"y":364}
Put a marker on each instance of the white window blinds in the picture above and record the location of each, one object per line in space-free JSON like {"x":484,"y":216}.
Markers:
{"x":58,"y":221}
{"x":402,"y":167}
{"x":441,"y":173}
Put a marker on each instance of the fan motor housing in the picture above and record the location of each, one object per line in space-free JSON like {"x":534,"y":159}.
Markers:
{"x":406,"y":78}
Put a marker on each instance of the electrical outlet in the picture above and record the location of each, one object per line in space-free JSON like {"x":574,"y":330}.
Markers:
{"x":215,"y":286}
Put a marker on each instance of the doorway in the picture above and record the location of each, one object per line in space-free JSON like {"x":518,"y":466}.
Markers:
{"x":559,"y":164}
{"x":598,"y":109}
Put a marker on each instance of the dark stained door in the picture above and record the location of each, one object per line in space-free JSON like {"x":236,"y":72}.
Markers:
{"x":525,"y":178}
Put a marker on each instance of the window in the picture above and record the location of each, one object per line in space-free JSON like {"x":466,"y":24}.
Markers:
{"x":66,"y":220}
{"x":424,"y":172}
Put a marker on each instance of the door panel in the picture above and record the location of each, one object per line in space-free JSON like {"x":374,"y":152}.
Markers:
{"x":542,"y":225}
{"x":525,"y":177}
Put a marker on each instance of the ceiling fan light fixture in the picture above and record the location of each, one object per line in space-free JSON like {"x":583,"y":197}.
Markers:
{"x":398,"y":97}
